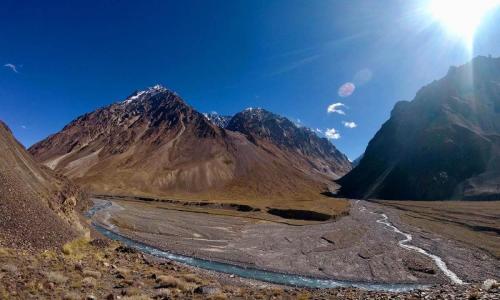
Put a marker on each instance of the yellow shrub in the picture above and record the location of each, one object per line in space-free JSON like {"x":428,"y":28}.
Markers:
{"x":77,"y":248}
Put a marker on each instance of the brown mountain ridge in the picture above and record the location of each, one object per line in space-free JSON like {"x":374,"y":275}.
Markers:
{"x":153,"y":143}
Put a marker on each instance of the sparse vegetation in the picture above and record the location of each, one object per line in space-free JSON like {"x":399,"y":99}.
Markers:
{"x":76,"y":248}
{"x":55,"y":275}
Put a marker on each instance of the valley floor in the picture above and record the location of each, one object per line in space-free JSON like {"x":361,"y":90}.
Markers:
{"x":355,"y":248}
{"x":98,"y":268}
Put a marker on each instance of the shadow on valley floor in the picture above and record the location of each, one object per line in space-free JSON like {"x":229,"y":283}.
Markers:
{"x":296,"y":214}
{"x":290,"y":216}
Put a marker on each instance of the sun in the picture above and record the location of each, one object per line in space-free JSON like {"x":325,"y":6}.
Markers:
{"x":461,"y":18}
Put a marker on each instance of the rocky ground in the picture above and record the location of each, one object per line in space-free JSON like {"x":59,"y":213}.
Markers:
{"x":100,"y":269}
{"x":353,"y":248}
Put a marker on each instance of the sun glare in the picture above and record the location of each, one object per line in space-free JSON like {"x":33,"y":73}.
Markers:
{"x":461,"y":17}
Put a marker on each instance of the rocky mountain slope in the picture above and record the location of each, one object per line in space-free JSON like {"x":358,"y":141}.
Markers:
{"x":38,"y":209}
{"x":153,"y":143}
{"x":218,"y":120}
{"x":269,"y":130}
{"x":445,"y":144}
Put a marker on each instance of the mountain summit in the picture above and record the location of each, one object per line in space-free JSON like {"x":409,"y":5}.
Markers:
{"x":153,"y":143}
{"x":445,"y":144}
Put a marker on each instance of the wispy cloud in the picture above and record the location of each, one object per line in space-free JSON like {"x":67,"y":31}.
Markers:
{"x":332,"y":134}
{"x":319,"y":130}
{"x":295,"y":64}
{"x":24,"y":127}
{"x":350,"y":124}
{"x":336,"y":108}
{"x":12,"y":67}
{"x":323,"y":47}
{"x":300,"y":57}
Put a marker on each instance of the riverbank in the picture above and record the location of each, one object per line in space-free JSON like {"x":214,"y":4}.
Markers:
{"x":102,"y":269}
{"x":354,"y":248}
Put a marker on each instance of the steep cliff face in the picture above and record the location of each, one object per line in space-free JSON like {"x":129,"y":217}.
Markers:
{"x":38,"y":208}
{"x":445,"y":144}
{"x":154,"y":143}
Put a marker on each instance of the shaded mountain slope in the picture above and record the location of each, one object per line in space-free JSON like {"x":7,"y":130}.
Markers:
{"x":38,"y":209}
{"x":445,"y":144}
{"x":153,"y":143}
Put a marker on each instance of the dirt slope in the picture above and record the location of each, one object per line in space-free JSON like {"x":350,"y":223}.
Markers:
{"x":37,"y":207}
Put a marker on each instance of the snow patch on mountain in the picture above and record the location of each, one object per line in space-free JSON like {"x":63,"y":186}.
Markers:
{"x":217,"y":119}
{"x":150,"y":91}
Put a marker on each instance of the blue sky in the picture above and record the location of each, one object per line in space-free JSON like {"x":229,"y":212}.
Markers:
{"x":290,"y":57}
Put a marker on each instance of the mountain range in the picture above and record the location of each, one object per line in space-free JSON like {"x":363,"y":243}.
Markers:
{"x":445,"y":144}
{"x":153,"y":143}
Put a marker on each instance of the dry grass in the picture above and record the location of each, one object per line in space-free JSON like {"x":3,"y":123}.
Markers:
{"x":89,"y":282}
{"x":10,"y":268}
{"x":218,"y":296}
{"x":71,"y":296}
{"x":192,"y":278}
{"x":4,"y":252}
{"x":93,"y":274}
{"x":56,"y":277}
{"x":77,"y":248}
{"x":304,"y":296}
{"x":168,"y":281}
{"x":137,"y":297}
{"x":473,"y":223}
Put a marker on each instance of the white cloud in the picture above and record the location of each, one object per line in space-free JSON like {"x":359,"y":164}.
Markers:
{"x":333,"y":134}
{"x":23,"y":126}
{"x":319,"y":130}
{"x":350,"y":124}
{"x":12,"y":67}
{"x":335,"y":108}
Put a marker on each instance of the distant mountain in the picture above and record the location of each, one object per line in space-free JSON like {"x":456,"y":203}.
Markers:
{"x":217,"y":119}
{"x":265,"y":128}
{"x":38,"y":209}
{"x":153,"y":143}
{"x":445,"y":144}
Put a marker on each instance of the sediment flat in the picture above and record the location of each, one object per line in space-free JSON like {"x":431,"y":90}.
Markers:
{"x":354,"y":247}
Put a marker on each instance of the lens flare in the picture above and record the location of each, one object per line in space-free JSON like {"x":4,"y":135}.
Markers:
{"x":461,"y":17}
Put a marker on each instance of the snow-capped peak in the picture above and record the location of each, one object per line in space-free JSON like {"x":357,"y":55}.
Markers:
{"x":158,"y":87}
{"x":134,"y":97}
{"x":150,"y":91}
{"x":257,"y":109}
